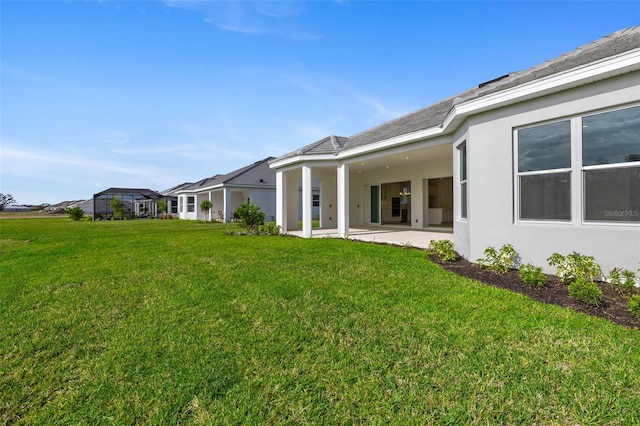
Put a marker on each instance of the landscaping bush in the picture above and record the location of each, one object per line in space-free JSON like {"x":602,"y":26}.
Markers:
{"x":269,"y":228}
{"x":499,"y":261}
{"x":586,"y":291}
{"x":575,"y":266}
{"x":624,"y":280}
{"x":250,"y":216}
{"x":75,"y":213}
{"x":532,"y":275}
{"x":443,"y":249}
{"x":634,"y":305}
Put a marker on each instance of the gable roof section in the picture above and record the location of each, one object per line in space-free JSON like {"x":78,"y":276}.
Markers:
{"x":256,"y":174}
{"x":435,"y":115}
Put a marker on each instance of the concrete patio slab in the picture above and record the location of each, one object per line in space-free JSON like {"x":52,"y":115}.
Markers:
{"x":386,"y":235}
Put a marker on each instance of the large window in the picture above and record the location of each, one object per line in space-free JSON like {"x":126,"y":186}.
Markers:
{"x":462,"y":153}
{"x":191,"y":204}
{"x":606,"y":164}
{"x":611,"y":166}
{"x":544,"y":172}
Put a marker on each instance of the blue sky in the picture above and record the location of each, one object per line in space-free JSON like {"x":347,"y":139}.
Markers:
{"x":150,"y":94}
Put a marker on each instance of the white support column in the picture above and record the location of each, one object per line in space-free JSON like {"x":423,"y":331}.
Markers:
{"x":281,"y":201}
{"x":343,"y":201}
{"x":226,"y":204}
{"x":307,"y":200}
{"x":211,"y":209}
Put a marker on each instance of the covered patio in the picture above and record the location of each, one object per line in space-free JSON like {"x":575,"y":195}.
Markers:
{"x":400,"y":236}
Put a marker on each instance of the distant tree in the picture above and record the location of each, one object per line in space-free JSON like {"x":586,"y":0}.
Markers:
{"x":118,"y":207}
{"x":205,"y":206}
{"x":5,"y":200}
{"x":75,"y":213}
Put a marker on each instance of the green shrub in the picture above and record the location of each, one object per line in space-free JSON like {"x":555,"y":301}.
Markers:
{"x":634,"y":305}
{"x":269,"y":228}
{"x":585,"y":291}
{"x":623,"y":279}
{"x":75,"y":213}
{"x":250,"y":216}
{"x":532,"y":275}
{"x":443,"y":249}
{"x":499,"y":261}
{"x":575,"y":266}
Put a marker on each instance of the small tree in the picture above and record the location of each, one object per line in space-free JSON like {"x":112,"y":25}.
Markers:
{"x":75,"y":213}
{"x":5,"y":200}
{"x":162,"y":205}
{"x":250,"y":216}
{"x":205,"y":206}
{"x":117,"y":207}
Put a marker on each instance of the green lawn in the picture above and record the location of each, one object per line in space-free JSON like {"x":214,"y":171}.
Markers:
{"x":166,"y":322}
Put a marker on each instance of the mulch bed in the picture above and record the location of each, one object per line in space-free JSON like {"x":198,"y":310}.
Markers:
{"x":613,"y":308}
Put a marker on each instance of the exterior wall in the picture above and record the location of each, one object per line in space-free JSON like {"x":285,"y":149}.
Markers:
{"x":492,"y":220}
{"x":266,"y":199}
{"x":184,"y":214}
{"x":326,"y":179}
{"x":461,"y":228}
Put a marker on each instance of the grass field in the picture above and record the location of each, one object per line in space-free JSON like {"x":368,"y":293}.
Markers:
{"x":174,"y":322}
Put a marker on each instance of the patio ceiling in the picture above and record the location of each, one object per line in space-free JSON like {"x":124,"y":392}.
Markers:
{"x":402,"y":159}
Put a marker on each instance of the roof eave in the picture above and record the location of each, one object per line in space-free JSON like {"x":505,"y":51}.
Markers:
{"x":301,"y":158}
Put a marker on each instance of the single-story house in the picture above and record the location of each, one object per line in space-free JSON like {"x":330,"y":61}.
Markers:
{"x":254,"y":183}
{"x":546,"y":159}
{"x":136,"y":202}
{"x":15,"y":208}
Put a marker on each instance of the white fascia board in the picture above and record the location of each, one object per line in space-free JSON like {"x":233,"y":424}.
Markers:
{"x":209,"y":188}
{"x":589,"y":73}
{"x":249,"y":186}
{"x":280,"y":164}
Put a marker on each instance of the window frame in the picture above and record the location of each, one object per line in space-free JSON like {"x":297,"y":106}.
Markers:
{"x":463,"y":180}
{"x":518,"y":174}
{"x":596,"y":167}
{"x":577,"y":173}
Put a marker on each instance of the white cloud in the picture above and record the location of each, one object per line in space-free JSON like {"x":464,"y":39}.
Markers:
{"x":275,"y":18}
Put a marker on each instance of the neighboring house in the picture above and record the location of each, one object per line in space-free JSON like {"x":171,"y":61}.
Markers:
{"x":171,"y":197}
{"x":15,"y":208}
{"x":546,"y":159}
{"x":254,"y":183}
{"x":136,"y":202}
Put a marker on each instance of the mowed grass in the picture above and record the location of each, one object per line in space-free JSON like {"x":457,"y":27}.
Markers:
{"x":174,"y":322}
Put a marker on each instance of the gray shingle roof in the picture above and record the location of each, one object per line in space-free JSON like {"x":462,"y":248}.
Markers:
{"x":434,"y":115}
{"x":257,"y":174}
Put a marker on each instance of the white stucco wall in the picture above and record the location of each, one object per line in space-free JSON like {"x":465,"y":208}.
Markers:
{"x":492,"y":220}
{"x":266,"y":199}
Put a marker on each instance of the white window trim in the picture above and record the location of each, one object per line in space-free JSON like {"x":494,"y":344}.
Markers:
{"x":460,"y":182}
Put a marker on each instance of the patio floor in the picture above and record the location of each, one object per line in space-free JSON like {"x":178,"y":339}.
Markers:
{"x":419,"y":238}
